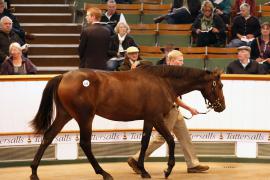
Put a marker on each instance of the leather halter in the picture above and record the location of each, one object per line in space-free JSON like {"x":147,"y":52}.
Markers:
{"x":208,"y":104}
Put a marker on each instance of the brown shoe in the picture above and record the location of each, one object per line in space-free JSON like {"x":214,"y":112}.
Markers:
{"x":159,"y":19}
{"x":134,"y":165}
{"x":197,"y":169}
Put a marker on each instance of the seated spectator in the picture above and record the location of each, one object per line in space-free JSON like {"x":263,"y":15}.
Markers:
{"x":17,"y":63}
{"x":261,"y":47}
{"x":16,"y":25}
{"x":132,"y":59}
{"x":223,"y":9}
{"x":165,"y":50}
{"x":245,"y":65}
{"x":182,"y":12}
{"x":7,"y":36}
{"x":245,"y":28}
{"x":111,"y":16}
{"x":238,"y":3}
{"x":209,"y":28}
{"x":118,"y":44}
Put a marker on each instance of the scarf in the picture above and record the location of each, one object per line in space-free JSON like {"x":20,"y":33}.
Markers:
{"x":121,"y":39}
{"x":206,"y":23}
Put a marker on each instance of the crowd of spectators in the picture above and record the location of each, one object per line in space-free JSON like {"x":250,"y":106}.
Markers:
{"x":105,"y":38}
{"x":211,"y":22}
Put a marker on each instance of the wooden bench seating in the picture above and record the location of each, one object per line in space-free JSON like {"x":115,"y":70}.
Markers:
{"x":198,"y":57}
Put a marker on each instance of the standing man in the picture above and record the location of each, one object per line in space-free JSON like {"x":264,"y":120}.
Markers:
{"x":94,"y":42}
{"x":175,"y":123}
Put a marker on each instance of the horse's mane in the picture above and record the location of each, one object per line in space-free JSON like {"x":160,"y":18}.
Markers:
{"x":173,"y":71}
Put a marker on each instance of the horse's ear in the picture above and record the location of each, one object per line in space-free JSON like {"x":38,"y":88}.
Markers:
{"x":217,"y":72}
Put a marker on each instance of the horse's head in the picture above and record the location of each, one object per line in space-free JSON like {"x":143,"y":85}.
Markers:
{"x":212,"y":91}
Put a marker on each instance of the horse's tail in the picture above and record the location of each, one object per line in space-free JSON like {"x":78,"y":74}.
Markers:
{"x":43,"y":118}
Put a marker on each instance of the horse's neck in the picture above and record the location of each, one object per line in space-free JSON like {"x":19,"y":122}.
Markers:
{"x":183,"y":86}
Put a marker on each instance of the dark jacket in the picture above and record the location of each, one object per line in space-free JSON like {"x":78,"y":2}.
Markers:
{"x":162,"y":61}
{"x":255,"y":52}
{"x":194,"y":6}
{"x":5,"y":41}
{"x":94,"y":46}
{"x":114,"y":45}
{"x":112,"y":21}
{"x":8,"y":68}
{"x":244,"y":27}
{"x":253,"y":67}
{"x":127,"y":65}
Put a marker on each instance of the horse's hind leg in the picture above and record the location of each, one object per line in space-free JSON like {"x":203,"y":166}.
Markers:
{"x":163,"y":130}
{"x":147,"y":130}
{"x":61,"y":119}
{"x":85,"y":143}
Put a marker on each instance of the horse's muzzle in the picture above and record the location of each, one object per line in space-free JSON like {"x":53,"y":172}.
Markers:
{"x":218,"y":106}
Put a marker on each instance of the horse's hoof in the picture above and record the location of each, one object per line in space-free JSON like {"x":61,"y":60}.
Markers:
{"x":145,"y":175}
{"x":167,"y":173}
{"x":34,"y":177}
{"x":107,"y":176}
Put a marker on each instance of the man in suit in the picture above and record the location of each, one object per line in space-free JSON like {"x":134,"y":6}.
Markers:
{"x":94,"y":42}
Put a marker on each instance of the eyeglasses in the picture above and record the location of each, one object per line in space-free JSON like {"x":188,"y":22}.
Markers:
{"x":207,"y":10}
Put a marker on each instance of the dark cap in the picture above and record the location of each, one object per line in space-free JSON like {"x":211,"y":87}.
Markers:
{"x":168,"y":47}
{"x":247,"y":48}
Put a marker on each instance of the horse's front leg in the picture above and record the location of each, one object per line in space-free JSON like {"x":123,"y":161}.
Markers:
{"x":163,"y":130}
{"x":147,"y":130}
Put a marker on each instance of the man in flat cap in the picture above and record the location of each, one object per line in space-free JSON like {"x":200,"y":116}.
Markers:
{"x":244,"y":65}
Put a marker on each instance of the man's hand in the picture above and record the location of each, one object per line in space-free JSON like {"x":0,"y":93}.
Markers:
{"x":219,"y":12}
{"x":193,"y":111}
{"x":215,"y":30}
{"x":259,"y":60}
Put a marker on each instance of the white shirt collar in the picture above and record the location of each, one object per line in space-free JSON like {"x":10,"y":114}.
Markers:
{"x":245,"y":65}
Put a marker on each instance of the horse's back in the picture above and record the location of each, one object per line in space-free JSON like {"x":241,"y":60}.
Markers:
{"x":113,"y":95}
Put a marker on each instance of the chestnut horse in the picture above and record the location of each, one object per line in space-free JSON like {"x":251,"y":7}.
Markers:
{"x":144,"y":93}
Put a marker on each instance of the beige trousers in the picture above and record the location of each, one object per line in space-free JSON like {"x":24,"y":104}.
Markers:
{"x":176,"y":124}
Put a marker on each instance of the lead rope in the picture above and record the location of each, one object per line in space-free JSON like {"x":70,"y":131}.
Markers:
{"x":188,"y":118}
